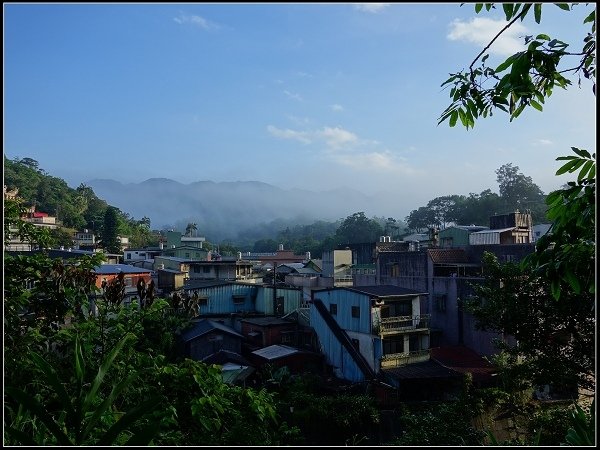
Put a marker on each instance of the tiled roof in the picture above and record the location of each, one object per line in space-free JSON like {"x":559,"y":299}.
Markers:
{"x":463,"y":359}
{"x":448,"y":255}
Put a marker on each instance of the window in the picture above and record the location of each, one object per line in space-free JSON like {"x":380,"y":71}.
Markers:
{"x":187,"y":256}
{"x":202,"y":301}
{"x":440,"y":302}
{"x":206,"y":269}
{"x":356,"y":311}
{"x":333,"y":309}
{"x":395,"y":270}
{"x":128,"y":255}
{"x":238,"y":299}
{"x":196,"y":269}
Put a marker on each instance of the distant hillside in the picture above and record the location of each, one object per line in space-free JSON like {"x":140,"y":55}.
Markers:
{"x":222,"y":209}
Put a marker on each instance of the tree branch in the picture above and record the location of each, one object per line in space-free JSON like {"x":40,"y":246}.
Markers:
{"x":495,"y":37}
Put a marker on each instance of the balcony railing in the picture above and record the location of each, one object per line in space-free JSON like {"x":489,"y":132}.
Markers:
{"x":402,"y":359}
{"x":397,"y":324}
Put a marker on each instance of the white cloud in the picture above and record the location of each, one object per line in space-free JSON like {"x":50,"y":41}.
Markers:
{"x":371,"y":7}
{"x":543,"y":142}
{"x":337,"y":137}
{"x":344,"y":148}
{"x":293,"y":96}
{"x":301,"y":136}
{"x":336,"y":107}
{"x":197,"y":21}
{"x":481,"y":30}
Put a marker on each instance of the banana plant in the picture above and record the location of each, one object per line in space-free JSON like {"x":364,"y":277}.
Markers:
{"x":79,"y":418}
{"x":583,"y":431}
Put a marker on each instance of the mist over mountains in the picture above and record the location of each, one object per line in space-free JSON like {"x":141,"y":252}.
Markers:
{"x":222,"y":209}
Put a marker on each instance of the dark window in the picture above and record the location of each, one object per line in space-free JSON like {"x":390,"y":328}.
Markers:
{"x":206,"y":269}
{"x":196,"y":269}
{"x":202,"y":301}
{"x":356,"y":311}
{"x":333,"y":309}
{"x":237,"y":299}
{"x":440,"y":302}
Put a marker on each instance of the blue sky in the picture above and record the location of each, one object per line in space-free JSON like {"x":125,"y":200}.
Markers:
{"x":313,"y":96}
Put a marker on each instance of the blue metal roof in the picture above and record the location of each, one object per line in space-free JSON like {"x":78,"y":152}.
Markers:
{"x":204,"y":326}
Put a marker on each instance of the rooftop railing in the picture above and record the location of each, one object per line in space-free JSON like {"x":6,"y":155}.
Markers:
{"x":397,"y":324}
{"x":401,"y":359}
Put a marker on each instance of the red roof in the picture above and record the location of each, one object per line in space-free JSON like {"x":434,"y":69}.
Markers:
{"x":463,"y":359}
{"x":40,"y":214}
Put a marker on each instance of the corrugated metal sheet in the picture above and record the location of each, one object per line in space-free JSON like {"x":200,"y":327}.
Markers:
{"x":335,"y":355}
{"x":487,"y":237}
{"x":345,"y":299}
{"x":292,"y":298}
{"x":220,"y":299}
{"x":275,"y":351}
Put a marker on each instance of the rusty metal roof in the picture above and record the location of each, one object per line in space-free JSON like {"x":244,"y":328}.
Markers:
{"x":463,"y":359}
{"x":448,"y":255}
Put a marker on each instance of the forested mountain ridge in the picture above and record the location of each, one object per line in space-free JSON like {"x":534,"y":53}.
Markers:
{"x":75,"y":209}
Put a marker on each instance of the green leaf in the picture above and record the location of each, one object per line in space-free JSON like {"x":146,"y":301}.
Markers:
{"x":144,"y":435}
{"x":591,"y":17}
{"x":536,"y":105}
{"x":38,"y":410}
{"x":128,"y":419}
{"x":52,"y":379}
{"x":478,"y":7}
{"x":105,"y":405}
{"x":103,"y":370}
{"x":564,"y":6}
{"x":453,"y":118}
{"x":581,"y":152}
{"x":79,"y":362}
{"x":584,"y":170}
{"x":544,"y":37}
{"x":506,"y":64}
{"x":537,"y":12}
{"x":508,"y":10}
{"x":21,"y":437}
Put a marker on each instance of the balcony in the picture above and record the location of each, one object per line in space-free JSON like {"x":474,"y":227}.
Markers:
{"x":402,"y":359}
{"x":399,"y":324}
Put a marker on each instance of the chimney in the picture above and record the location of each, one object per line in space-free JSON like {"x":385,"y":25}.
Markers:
{"x":280,"y":247}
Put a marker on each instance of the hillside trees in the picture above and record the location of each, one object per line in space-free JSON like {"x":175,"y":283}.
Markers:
{"x":517,"y":191}
{"x":358,"y":228}
{"x":110,"y":231}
